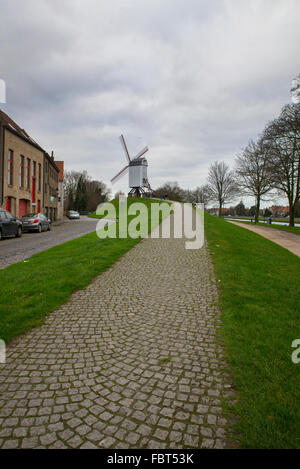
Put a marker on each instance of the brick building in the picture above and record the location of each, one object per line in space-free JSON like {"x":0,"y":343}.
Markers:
{"x":50,"y":196}
{"x":60,"y":204}
{"x":28,"y":175}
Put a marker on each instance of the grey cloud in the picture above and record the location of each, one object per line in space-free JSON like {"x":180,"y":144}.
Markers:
{"x":193,"y":79}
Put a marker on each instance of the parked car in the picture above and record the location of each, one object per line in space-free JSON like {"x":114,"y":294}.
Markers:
{"x":9,"y":225}
{"x":36,"y":222}
{"x":73,"y":215}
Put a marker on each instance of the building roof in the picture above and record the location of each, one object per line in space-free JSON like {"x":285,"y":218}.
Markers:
{"x":11,"y":125}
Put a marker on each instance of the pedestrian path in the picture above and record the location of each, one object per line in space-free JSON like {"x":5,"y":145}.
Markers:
{"x":285,"y":239}
{"x":132,"y":361}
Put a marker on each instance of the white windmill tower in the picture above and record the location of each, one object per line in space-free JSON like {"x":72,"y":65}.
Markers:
{"x":138,"y":179}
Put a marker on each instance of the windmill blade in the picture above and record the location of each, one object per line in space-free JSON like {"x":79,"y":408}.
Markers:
{"x":122,"y":140}
{"x":141,"y":153}
{"x":119,"y":175}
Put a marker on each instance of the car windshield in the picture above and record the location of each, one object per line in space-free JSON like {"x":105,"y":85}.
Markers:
{"x":30,"y":215}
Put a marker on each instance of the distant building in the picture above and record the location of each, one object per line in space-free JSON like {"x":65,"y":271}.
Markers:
{"x":60,"y":202}
{"x":50,"y":196}
{"x":28,"y":175}
{"x":279,"y":211}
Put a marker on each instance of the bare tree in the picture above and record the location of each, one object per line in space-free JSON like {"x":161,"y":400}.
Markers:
{"x":295,"y":90}
{"x":172,"y":190}
{"x":222,"y":184}
{"x":97,"y":193}
{"x":202,"y":194}
{"x":79,"y":186}
{"x":253,"y":172}
{"x":283,"y":138}
{"x":71,"y":179}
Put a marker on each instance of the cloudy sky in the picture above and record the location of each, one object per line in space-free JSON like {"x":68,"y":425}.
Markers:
{"x":193,"y":79}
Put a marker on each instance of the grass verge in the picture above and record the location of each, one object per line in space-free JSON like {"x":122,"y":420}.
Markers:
{"x":31,"y":289}
{"x":259,"y":300}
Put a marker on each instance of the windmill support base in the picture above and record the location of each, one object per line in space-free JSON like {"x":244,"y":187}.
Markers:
{"x":140,"y":192}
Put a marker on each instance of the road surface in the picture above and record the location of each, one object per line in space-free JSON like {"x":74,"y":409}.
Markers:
{"x":14,"y":250}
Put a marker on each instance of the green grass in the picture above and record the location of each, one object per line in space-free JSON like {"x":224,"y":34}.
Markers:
{"x":115,"y":202}
{"x":259,"y":300}
{"x":291,"y":229}
{"x":29,"y":290}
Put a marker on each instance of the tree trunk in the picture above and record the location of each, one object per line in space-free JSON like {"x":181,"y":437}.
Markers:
{"x":292,"y":214}
{"x":220,"y":210}
{"x":257,"y":209}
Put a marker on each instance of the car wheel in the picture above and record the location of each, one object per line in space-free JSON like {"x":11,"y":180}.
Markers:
{"x":39,"y":228}
{"x":49,"y":227}
{"x":0,"y":235}
{"x":19,"y":232}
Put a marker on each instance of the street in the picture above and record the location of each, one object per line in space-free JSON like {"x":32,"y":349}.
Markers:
{"x":14,"y":250}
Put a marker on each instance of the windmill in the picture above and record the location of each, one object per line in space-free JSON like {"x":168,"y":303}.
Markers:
{"x":138,"y":180}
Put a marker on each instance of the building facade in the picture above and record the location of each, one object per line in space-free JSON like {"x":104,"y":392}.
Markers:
{"x":60,"y":202}
{"x":28,"y":175}
{"x":50,"y":199}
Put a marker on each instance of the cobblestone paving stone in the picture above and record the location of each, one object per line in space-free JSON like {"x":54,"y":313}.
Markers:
{"x":132,"y":361}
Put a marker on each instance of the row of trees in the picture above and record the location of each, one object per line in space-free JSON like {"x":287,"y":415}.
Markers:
{"x":268,"y":166}
{"x":272,"y":163}
{"x":82,"y":193}
{"x":174,"y":192}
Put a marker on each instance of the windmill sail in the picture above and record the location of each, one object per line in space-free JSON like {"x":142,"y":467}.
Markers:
{"x":122,"y":140}
{"x":119,"y":175}
{"x":141,"y":153}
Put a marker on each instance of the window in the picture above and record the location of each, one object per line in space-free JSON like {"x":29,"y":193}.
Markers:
{"x":39,"y":177}
{"x":10,"y":167}
{"x":21,"y":171}
{"x":9,"y":215}
{"x":33,"y":169}
{"x":27,"y":173}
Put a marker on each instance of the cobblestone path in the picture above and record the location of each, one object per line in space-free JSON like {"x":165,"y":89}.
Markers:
{"x":132,"y":361}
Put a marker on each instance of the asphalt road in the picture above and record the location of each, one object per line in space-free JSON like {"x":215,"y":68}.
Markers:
{"x":14,"y":250}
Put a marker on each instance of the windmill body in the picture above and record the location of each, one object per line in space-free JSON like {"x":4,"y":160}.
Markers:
{"x":137,"y":172}
{"x":138,"y":169}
